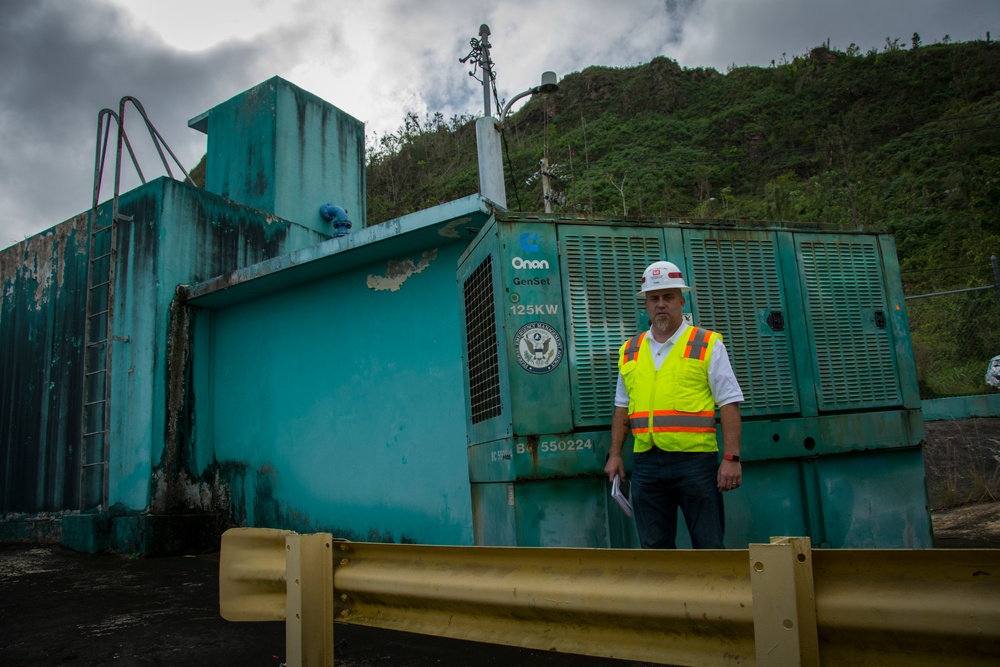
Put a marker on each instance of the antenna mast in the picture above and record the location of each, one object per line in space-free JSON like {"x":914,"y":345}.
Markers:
{"x":480,"y":57}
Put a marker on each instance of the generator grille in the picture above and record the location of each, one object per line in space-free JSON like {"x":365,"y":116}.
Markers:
{"x":602,"y":275}
{"x":481,"y":343}
{"x":847,"y":313}
{"x":737,"y":289}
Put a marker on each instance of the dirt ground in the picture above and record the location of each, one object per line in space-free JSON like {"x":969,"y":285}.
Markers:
{"x":58,"y":607}
{"x":962,"y":465}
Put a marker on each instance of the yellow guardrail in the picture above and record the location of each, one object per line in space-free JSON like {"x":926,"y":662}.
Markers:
{"x":774,"y":604}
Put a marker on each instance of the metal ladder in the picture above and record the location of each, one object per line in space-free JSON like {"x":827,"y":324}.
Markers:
{"x":102,"y":261}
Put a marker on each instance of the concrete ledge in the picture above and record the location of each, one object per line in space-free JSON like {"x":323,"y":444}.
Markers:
{"x":88,"y":533}
{"x":35,"y":530}
{"x":961,"y":407}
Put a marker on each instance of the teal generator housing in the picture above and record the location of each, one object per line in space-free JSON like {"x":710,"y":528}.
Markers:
{"x":815,"y":323}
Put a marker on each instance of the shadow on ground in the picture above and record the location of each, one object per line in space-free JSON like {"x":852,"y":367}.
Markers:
{"x":58,"y":607}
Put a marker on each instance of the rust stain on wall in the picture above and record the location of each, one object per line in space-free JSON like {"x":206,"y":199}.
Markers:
{"x":397,"y":273}
{"x":170,"y":491}
{"x":41,"y":258}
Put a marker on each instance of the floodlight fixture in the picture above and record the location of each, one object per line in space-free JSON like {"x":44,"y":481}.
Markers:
{"x":548,"y":85}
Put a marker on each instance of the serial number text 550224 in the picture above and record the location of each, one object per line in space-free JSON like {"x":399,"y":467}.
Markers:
{"x":546,"y":446}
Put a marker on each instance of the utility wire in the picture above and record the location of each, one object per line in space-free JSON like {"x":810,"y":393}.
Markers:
{"x":510,"y":168}
{"x":947,"y":268}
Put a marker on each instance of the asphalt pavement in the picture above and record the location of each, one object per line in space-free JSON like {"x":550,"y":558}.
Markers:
{"x":60,"y":607}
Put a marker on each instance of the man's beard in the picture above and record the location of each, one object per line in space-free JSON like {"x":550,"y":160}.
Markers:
{"x":661,"y":323}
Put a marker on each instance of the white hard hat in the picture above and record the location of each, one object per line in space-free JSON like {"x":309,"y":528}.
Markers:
{"x":662,"y":275}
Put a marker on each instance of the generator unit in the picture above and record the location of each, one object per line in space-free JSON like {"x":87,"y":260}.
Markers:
{"x":815,"y":323}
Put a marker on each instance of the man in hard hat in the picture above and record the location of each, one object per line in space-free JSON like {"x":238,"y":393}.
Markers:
{"x":670,"y":379}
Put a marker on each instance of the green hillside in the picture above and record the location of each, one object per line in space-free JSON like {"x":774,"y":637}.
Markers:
{"x":903,"y":137}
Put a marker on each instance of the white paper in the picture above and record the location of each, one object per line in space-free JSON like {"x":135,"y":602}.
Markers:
{"x":622,"y":497}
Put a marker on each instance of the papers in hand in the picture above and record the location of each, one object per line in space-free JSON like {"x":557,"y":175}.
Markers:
{"x":622,"y":494}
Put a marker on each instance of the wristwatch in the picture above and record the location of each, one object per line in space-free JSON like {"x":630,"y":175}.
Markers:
{"x":731,"y":457}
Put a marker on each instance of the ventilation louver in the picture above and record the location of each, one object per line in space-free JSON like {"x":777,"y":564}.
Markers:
{"x":845,"y":300}
{"x":602,"y":276}
{"x":738,"y":293}
{"x":481,"y":343}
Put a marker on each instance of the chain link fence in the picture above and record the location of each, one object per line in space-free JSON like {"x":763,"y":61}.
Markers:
{"x":954,"y":318}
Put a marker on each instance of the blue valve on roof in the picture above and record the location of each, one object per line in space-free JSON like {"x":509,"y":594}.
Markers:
{"x":338,"y":216}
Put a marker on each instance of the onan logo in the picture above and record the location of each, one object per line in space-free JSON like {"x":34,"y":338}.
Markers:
{"x":519,"y":263}
{"x":528,"y":242}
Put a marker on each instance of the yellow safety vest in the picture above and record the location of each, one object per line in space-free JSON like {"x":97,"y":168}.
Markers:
{"x":672,"y":407}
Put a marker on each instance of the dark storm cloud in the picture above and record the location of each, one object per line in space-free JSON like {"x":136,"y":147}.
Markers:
{"x":678,"y":12}
{"x":63,"y":63}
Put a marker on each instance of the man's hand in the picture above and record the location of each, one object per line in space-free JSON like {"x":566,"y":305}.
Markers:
{"x":730,"y":475}
{"x":614,"y":467}
{"x":619,"y":427}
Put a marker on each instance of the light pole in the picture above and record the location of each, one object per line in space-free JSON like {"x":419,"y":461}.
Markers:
{"x":548,"y":85}
{"x":491,"y":181}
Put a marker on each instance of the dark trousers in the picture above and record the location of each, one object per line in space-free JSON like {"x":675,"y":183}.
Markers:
{"x":662,"y":482}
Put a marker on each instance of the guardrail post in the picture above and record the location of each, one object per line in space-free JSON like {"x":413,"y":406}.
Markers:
{"x":309,"y":614}
{"x":784,"y":603}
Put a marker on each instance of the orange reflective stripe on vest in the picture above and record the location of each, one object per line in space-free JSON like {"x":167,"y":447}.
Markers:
{"x":639,"y":422}
{"x":632,"y":348}
{"x":672,"y":421}
{"x":697,"y":344}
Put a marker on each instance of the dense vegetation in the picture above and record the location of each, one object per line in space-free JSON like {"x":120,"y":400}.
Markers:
{"x":906,"y":137}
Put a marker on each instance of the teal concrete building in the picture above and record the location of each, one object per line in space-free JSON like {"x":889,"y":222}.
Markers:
{"x":267,"y":369}
{"x":168,"y":234}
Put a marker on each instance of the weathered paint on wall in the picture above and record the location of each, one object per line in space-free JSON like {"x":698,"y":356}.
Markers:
{"x":187,"y":236}
{"x":333,"y":405}
{"x":41,"y":370}
{"x":341,"y":407}
{"x":177,"y":234}
{"x":285,"y":151}
{"x":396,"y":273}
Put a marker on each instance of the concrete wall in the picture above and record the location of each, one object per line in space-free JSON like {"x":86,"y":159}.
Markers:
{"x":339,"y":408}
{"x":178,"y":234}
{"x":287,"y":152}
{"x":41,"y":368}
{"x":335,"y":402}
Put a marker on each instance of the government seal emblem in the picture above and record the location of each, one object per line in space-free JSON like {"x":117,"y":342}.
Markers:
{"x":539,"y":347}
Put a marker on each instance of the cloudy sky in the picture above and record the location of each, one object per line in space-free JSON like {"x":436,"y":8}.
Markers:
{"x":62,"y":61}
